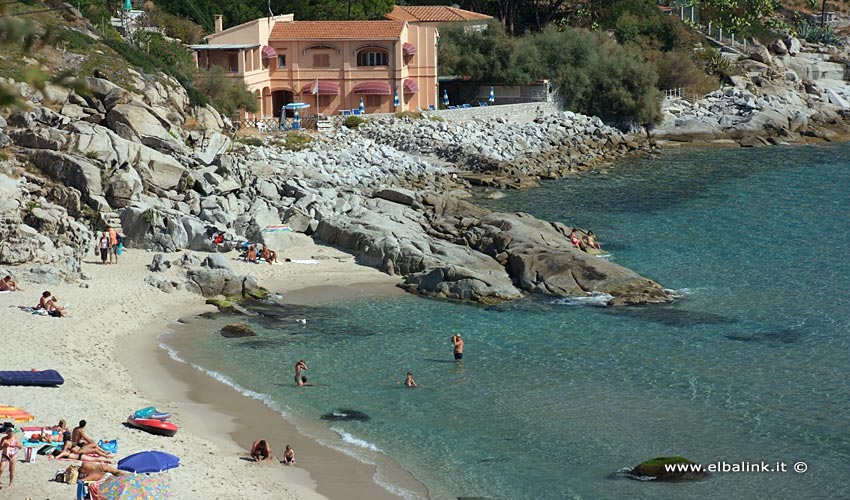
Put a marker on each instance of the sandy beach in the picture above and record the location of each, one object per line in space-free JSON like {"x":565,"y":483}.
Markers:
{"x":106,"y":350}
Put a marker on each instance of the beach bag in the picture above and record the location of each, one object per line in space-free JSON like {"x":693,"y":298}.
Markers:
{"x":31,"y":454}
{"x":109,"y":446}
{"x":71,"y":474}
{"x":59,"y":476}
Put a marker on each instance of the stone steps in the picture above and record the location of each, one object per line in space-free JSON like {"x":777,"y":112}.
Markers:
{"x":112,"y":219}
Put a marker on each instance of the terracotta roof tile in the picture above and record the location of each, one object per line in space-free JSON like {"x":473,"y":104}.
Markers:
{"x":337,"y":30}
{"x":434,"y":14}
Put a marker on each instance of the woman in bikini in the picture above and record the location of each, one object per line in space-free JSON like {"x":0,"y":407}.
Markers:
{"x":575,"y":240}
{"x":9,"y":447}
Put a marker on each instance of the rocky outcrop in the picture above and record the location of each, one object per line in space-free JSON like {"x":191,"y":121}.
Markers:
{"x":237,"y":330}
{"x":790,"y":96}
{"x":459,"y":251}
{"x":659,"y":469}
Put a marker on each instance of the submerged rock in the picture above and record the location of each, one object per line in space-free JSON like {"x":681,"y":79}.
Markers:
{"x":657,"y":469}
{"x":237,"y":330}
{"x":345,"y":415}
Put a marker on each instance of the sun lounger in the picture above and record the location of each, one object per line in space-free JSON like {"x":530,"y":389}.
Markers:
{"x":355,"y":112}
{"x":452,"y":107}
{"x":44,"y":378}
{"x":345,"y":112}
{"x":482,"y":104}
{"x":432,"y":107}
{"x":467,"y":105}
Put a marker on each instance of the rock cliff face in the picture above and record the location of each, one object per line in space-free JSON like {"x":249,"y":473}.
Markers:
{"x":786,"y":96}
{"x":124,"y":153}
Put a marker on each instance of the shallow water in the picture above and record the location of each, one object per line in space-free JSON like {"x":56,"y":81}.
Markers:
{"x":554,"y":397}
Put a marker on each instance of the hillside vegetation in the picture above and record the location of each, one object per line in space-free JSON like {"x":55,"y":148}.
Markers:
{"x":63,"y":43}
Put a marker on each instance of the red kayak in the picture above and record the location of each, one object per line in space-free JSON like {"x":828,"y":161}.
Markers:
{"x":153,"y":426}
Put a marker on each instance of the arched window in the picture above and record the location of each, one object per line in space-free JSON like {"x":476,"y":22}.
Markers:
{"x":373,"y":56}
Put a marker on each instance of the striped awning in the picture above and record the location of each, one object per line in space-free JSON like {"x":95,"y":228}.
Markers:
{"x":408,"y":49}
{"x":325,"y":88}
{"x":378,"y":87}
{"x":268,"y":52}
{"x":410,"y":86}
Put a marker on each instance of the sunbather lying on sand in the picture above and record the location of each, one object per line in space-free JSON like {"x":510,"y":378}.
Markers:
{"x":86,"y":449}
{"x":82,"y":457}
{"x":94,"y":471}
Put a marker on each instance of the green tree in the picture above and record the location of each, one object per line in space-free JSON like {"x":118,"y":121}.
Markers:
{"x":593,"y":74}
{"x":737,"y":16}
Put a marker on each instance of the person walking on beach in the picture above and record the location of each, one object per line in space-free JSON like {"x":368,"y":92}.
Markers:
{"x":103,"y":246}
{"x":409,"y":382}
{"x":9,"y":447}
{"x":299,"y":367}
{"x":113,"y":245}
{"x":288,"y":456}
{"x":457,"y":342}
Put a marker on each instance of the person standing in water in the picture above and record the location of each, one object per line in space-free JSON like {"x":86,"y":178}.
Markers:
{"x":457,"y":342}
{"x":299,"y":367}
{"x":409,"y":382}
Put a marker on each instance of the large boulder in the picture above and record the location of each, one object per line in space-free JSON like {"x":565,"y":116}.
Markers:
{"x":123,"y":187}
{"x":212,"y":282}
{"x":237,"y":330}
{"x":72,"y":171}
{"x":137,"y":123}
{"x":153,"y":167}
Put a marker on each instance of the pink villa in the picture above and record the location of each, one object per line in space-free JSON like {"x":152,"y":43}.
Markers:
{"x":330,"y":65}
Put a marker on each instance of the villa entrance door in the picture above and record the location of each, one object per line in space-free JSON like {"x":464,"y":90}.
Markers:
{"x":280,"y":98}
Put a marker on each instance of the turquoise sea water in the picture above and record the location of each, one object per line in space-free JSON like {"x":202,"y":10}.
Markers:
{"x":553,"y":397}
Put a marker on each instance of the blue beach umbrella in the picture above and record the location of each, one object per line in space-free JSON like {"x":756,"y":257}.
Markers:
{"x":395,"y":99}
{"x":128,"y":5}
{"x":297,"y":105}
{"x":492,"y":97}
{"x":445,"y":97}
{"x":362,"y":107}
{"x":148,"y":461}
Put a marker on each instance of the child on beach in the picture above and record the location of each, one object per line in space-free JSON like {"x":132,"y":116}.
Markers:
{"x":288,"y":456}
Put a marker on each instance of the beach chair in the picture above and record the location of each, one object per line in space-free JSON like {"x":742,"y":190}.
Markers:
{"x":452,"y":107}
{"x":482,"y":104}
{"x":355,"y":112}
{"x":467,"y":105}
{"x":345,"y":112}
{"x":432,"y":107}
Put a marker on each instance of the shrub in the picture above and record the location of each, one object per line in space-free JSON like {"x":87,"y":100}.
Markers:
{"x":250,"y":141}
{"x":677,"y":69}
{"x":716,"y":64}
{"x":353,"y":121}
{"x":415,"y":115}
{"x":816,"y":33}
{"x":294,"y":141}
{"x":174,"y":26}
{"x":227,"y":95}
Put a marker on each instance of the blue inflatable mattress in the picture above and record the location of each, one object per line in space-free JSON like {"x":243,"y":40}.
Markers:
{"x":43,"y":377}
